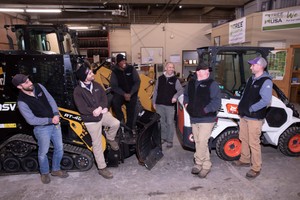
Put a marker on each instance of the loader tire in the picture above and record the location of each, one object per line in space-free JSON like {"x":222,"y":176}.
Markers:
{"x":228,"y":145}
{"x":289,"y":141}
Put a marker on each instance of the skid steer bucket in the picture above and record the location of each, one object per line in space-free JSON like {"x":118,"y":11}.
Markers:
{"x":148,"y":149}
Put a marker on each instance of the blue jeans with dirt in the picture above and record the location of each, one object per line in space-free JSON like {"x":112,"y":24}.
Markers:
{"x":45,"y":134}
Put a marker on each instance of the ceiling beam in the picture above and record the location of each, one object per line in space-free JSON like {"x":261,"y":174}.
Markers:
{"x":137,"y":2}
{"x":206,"y":10}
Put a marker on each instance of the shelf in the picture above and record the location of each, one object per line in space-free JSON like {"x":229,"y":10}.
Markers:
{"x":94,"y":43}
{"x":87,"y":48}
{"x":187,"y":65}
{"x":189,"y":56}
{"x":93,"y":38}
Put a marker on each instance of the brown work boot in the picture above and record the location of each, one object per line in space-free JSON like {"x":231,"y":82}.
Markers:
{"x":238,"y":163}
{"x":252,"y":173}
{"x":203,"y":173}
{"x":105,"y":173}
{"x":196,"y":169}
{"x":45,"y":178}
{"x":60,"y":174}
{"x":113,"y":144}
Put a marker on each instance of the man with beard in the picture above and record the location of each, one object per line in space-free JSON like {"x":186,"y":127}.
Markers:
{"x":91,"y":102}
{"x":39,"y":109}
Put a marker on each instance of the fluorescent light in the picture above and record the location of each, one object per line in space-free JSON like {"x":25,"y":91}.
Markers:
{"x":11,"y":10}
{"x":78,"y":27}
{"x":43,"y":10}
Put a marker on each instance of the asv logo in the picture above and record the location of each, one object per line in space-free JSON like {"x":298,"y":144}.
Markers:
{"x":8,"y":107}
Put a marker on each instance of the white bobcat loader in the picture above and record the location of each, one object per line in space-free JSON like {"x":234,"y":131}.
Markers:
{"x":281,"y":126}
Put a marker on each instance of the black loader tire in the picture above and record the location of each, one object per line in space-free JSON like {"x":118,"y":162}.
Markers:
{"x":228,"y":145}
{"x":289,"y":141}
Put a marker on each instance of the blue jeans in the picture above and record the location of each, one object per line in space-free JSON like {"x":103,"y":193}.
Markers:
{"x":45,"y":134}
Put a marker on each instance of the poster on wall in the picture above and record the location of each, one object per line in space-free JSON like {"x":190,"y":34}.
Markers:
{"x":277,"y":64}
{"x":152,"y":55}
{"x":237,"y":31}
{"x":279,"y":20}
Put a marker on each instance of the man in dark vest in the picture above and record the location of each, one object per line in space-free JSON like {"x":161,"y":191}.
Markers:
{"x":166,"y":92}
{"x":252,"y":110}
{"x":125,"y":83}
{"x":40,"y":110}
{"x":202,"y":99}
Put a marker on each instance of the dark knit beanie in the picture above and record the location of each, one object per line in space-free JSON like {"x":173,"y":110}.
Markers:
{"x":120,"y":57}
{"x":82,"y":72}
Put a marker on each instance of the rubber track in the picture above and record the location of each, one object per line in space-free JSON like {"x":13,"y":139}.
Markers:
{"x":68,"y":149}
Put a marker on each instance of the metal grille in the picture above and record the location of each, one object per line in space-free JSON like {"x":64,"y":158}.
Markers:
{"x":288,"y":3}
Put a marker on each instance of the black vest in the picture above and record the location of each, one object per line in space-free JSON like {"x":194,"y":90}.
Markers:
{"x":166,"y":90}
{"x":251,"y":96}
{"x":125,"y":78}
{"x":39,"y":104}
{"x":199,"y":98}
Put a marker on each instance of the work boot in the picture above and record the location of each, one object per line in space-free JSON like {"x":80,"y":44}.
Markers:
{"x":105,"y":173}
{"x":60,"y":174}
{"x":196,"y":169}
{"x":113,"y":144}
{"x":203,"y":173}
{"x":252,"y":173}
{"x":45,"y":178}
{"x":238,"y":163}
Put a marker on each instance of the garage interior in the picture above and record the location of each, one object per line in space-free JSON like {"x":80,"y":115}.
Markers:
{"x":174,"y":29}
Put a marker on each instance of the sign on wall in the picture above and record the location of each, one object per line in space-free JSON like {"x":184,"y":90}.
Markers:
{"x":278,"y":20}
{"x":237,"y":31}
{"x":152,"y":55}
{"x":277,"y":64}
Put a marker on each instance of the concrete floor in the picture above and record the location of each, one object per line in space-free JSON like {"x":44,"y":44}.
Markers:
{"x":169,"y":179}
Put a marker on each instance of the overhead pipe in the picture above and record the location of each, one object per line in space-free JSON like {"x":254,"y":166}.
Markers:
{"x":163,"y":11}
{"x":178,"y":2}
{"x":74,"y":19}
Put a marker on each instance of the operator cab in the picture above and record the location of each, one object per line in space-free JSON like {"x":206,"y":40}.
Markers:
{"x":45,"y":40}
{"x":229,"y":66}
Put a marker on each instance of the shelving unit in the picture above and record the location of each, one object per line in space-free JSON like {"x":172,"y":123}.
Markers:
{"x":295,"y":87}
{"x":295,"y":74}
{"x":94,"y":43}
{"x":189,"y":62}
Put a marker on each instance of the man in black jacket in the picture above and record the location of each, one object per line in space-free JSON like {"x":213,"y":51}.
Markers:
{"x":252,"y":110}
{"x":202,"y":99}
{"x":125,"y":83}
{"x":91,"y":101}
{"x":167,"y":90}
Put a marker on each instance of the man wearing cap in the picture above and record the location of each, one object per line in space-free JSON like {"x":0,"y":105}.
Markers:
{"x":167,"y":90}
{"x":252,"y":110}
{"x":125,"y":83}
{"x":39,"y":109}
{"x":202,"y":99}
{"x":91,"y":102}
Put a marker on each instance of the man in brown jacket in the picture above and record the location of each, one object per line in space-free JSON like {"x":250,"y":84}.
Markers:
{"x":91,"y":102}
